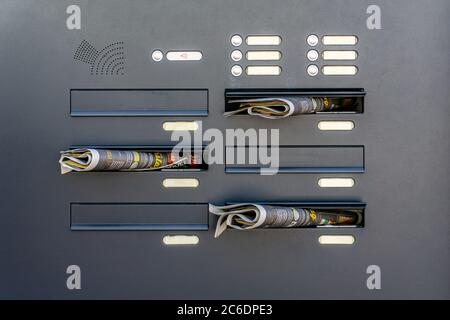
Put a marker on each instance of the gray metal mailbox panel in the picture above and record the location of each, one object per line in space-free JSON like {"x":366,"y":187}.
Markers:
{"x":403,"y":68}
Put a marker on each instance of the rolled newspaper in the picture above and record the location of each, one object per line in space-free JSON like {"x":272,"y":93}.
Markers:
{"x":277,"y":107}
{"x":246,"y":216}
{"x":87,"y":159}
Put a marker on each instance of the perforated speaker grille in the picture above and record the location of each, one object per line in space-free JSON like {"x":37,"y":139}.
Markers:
{"x":108,"y":61}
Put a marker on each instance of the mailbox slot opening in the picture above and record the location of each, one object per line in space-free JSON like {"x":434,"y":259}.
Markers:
{"x":332,"y":207}
{"x":347,"y":100}
{"x":196,"y":151}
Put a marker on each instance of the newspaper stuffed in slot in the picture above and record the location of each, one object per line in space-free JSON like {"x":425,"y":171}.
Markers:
{"x":93,"y":159}
{"x":282,"y":107}
{"x":247,"y":216}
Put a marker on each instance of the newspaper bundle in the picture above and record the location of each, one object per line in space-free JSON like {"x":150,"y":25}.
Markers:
{"x":278,"y":108}
{"x":87,"y":159}
{"x":246,"y":216}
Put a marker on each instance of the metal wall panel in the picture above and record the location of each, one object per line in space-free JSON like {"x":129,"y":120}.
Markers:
{"x":403,"y":68}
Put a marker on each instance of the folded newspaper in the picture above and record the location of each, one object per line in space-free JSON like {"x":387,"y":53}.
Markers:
{"x":281,"y":107}
{"x":87,"y":159}
{"x":246,"y":216}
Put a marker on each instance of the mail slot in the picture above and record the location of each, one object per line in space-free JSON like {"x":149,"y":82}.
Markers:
{"x":138,"y":216}
{"x":298,"y":159}
{"x":333,"y":207}
{"x":107,"y":162}
{"x":334,"y":101}
{"x":138,"y":102}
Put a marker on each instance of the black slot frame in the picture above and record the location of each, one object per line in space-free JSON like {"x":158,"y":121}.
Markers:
{"x":200,"y":109}
{"x":246,"y":169}
{"x":149,"y":225}
{"x":147,"y":148}
{"x":337,"y":205}
{"x":358,"y":93}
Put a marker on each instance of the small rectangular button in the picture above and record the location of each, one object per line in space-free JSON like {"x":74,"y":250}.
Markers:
{"x":263,"y":40}
{"x":333,"y":239}
{"x":180,"y":240}
{"x":339,"y":70}
{"x":339,"y":40}
{"x":184,"y":55}
{"x":263,"y":70}
{"x":339,"y":55}
{"x":336,"y":125}
{"x":336,"y":182}
{"x":180,"y":183}
{"x":263,"y":55}
{"x":180,"y":125}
